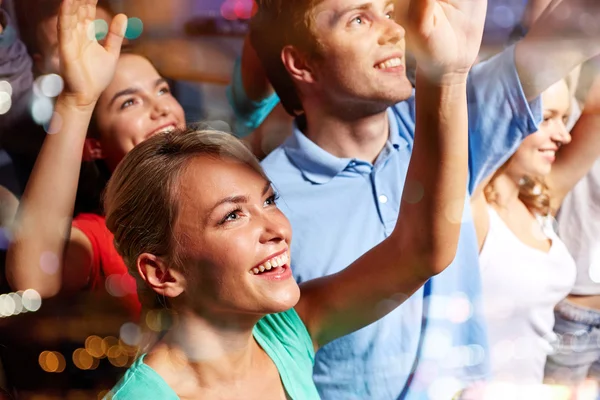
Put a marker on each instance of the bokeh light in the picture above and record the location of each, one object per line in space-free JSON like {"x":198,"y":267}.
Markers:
{"x":117,"y":357}
{"x":107,"y":343}
{"x":51,"y":85}
{"x":130,"y":334}
{"x":100,"y":29}
{"x":49,"y":263}
{"x":32,"y":301}
{"x":6,"y":87}
{"x":52,"y":361}
{"x":5,"y":102}
{"x":42,"y":109}
{"x":135,"y":27}
{"x":84,"y":360}
{"x":93,"y":345}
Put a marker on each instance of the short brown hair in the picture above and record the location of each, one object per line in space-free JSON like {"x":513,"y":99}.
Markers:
{"x":141,"y":199}
{"x":276,"y":24}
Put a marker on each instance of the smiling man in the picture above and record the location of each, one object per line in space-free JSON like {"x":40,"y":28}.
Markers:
{"x":338,"y":66}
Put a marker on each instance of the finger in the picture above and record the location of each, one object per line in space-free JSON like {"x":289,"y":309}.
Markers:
{"x":89,"y":7}
{"x":420,"y":15}
{"x":116,"y":33}
{"x":67,"y":19}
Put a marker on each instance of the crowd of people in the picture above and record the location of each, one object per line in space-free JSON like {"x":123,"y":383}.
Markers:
{"x":426,"y":260}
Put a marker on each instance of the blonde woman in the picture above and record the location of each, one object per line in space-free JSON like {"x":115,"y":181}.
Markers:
{"x":526,"y":268}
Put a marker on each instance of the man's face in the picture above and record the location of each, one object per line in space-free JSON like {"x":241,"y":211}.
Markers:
{"x":363,"y":54}
{"x":47,"y":60}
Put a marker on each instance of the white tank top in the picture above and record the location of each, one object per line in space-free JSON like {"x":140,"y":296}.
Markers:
{"x":580,"y":230}
{"x":521,"y":286}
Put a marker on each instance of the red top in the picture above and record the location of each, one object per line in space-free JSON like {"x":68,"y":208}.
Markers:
{"x":108,"y":268}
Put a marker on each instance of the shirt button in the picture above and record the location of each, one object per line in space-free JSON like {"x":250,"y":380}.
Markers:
{"x":383,"y":199}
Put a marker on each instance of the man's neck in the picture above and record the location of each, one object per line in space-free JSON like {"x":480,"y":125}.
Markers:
{"x":362,"y":137}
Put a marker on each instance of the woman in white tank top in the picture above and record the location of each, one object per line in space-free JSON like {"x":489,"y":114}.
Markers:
{"x":526,"y":268}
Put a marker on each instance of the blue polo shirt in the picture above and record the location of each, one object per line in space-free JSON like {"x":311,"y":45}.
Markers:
{"x":435,"y":343}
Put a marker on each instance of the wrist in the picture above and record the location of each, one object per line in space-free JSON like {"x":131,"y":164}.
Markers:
{"x":77,"y":102}
{"x":442,"y":79}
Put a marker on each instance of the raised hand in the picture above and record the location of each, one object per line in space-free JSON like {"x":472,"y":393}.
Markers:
{"x":445,"y":35}
{"x":86,"y":66}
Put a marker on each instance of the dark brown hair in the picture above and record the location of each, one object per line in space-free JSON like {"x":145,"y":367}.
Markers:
{"x":276,"y":24}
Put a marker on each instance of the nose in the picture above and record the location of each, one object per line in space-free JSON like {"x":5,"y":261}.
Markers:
{"x":160,"y":109}
{"x":391,"y":31}
{"x":275,"y":227}
{"x":560,"y":133}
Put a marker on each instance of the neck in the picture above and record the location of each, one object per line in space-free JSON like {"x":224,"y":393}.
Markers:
{"x":506,"y":189}
{"x":347,"y":136}
{"x":218,"y":352}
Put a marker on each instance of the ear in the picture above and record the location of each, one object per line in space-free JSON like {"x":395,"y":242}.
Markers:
{"x":92,"y":150}
{"x":298,"y":65}
{"x":157,"y":274}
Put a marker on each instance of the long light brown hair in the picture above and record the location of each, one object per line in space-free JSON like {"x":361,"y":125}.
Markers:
{"x":142,"y":196}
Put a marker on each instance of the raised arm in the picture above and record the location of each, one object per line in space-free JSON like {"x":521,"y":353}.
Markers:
{"x":425,"y":238}
{"x":574,"y":160}
{"x":43,"y":240}
{"x":565,"y":35}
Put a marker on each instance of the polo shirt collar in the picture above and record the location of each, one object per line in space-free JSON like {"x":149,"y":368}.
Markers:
{"x":320,"y":166}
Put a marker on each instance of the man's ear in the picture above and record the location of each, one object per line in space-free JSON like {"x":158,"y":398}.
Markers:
{"x":298,"y":65}
{"x":159,"y":276}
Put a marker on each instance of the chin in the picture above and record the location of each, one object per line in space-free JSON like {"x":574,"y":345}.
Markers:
{"x":282,"y":300}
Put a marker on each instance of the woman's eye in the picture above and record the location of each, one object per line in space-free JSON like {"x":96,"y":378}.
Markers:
{"x":165,"y":90}
{"x":272,"y":200}
{"x":127,"y":103}
{"x":232,"y":216}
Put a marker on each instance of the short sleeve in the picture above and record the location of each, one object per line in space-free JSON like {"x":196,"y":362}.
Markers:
{"x":500,"y":116}
{"x":91,"y":227}
{"x":286,"y":340}
{"x":249,"y":114}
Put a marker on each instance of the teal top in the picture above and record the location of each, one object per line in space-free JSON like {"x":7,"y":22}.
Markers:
{"x":282,"y":336}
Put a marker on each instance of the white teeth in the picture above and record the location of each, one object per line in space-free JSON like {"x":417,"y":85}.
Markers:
{"x":167,"y":129}
{"x":275,"y":262}
{"x":393,"y":62}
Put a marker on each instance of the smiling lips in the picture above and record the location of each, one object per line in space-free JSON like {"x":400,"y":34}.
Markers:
{"x":276,"y":262}
{"x":275,"y":269}
{"x":390,"y":63}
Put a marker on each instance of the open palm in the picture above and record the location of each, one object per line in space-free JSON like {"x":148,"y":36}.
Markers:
{"x":446,"y":34}
{"x":87,"y":67}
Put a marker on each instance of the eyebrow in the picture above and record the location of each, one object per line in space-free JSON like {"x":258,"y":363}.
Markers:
{"x":239,"y":199}
{"x":132,"y":90}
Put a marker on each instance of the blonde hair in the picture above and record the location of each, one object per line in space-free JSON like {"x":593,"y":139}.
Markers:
{"x":141,"y":200}
{"x":533,"y":192}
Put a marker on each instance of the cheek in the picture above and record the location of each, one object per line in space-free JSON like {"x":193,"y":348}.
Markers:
{"x":129,"y":129}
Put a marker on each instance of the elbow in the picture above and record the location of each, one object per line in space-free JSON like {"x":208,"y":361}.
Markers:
{"x":434,"y":258}
{"x":20,"y":277}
